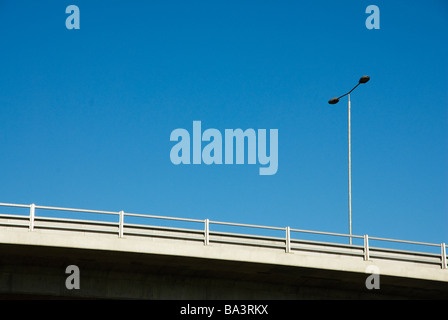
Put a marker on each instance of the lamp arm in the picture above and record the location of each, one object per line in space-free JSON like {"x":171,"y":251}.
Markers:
{"x":349,"y":91}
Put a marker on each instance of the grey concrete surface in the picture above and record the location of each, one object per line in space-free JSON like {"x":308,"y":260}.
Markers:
{"x":32,"y":265}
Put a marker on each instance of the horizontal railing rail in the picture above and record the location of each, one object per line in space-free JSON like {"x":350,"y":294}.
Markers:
{"x":204,"y":234}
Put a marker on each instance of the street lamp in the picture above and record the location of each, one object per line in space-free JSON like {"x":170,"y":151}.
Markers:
{"x":335,"y":100}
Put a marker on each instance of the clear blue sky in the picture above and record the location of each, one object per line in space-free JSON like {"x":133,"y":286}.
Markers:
{"x":86,"y":115}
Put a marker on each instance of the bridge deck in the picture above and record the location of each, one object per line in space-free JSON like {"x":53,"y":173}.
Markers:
{"x":214,"y":251}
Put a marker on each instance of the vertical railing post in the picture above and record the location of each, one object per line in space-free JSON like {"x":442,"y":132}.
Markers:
{"x":120,"y":224}
{"x":32,"y":213}
{"x":206,"y":232}
{"x":288,"y":240}
{"x":366,"y":248}
{"x":444,"y":263}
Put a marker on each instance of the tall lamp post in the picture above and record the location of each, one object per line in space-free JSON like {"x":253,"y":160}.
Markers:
{"x":335,"y":100}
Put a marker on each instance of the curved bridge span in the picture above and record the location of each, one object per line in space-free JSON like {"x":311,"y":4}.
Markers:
{"x":138,"y":256}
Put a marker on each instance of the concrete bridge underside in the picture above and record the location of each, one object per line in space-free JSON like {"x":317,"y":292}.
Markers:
{"x":30,"y":271}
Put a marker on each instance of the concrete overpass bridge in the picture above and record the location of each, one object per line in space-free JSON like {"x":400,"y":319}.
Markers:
{"x":138,"y":256}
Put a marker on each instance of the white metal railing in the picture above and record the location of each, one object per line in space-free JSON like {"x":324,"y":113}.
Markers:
{"x":120,"y":228}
